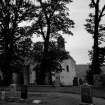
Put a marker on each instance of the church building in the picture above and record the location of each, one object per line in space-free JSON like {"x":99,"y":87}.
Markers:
{"x":64,"y":77}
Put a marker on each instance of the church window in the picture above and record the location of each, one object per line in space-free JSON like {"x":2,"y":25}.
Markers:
{"x":67,"y":68}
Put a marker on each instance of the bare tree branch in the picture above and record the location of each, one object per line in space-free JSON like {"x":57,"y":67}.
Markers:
{"x":54,"y":9}
{"x":93,"y":2}
{"x":97,"y":2}
{"x":44,"y":10}
{"x":101,"y":14}
{"x":43,"y":35}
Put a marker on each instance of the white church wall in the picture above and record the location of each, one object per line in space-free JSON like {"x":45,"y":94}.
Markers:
{"x":68,"y":74}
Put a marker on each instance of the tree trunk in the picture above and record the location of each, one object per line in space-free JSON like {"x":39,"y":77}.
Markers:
{"x":95,"y":67}
{"x":95,"y":61}
{"x":44,"y":69}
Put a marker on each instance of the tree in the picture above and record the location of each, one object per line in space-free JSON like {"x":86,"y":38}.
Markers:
{"x":12,"y":12}
{"x":53,"y":20}
{"x":54,"y":58}
{"x":95,"y":27}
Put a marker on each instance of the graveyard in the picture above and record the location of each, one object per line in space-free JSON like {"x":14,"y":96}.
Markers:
{"x":53,"y":99}
{"x":48,"y":95}
{"x":40,"y":63}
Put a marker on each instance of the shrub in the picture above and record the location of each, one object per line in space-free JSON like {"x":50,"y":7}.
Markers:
{"x":75,"y":81}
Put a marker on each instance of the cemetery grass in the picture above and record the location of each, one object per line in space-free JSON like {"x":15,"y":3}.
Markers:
{"x":97,"y":92}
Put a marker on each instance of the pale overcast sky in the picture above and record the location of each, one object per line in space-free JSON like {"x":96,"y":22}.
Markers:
{"x":79,"y":44}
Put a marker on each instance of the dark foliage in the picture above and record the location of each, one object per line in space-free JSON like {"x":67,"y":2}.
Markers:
{"x":95,"y":27}
{"x":89,"y":77}
{"x":52,"y":61}
{"x":52,"y":19}
{"x":75,"y":81}
{"x":11,"y":14}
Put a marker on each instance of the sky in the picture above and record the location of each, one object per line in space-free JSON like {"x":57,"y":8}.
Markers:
{"x":81,"y":42}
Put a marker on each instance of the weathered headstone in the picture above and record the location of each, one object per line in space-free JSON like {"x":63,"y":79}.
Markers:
{"x":14,"y":78}
{"x":24,"y":92}
{"x":86,"y":95}
{"x":13,"y":92}
{"x":12,"y":87}
{"x":3,"y":95}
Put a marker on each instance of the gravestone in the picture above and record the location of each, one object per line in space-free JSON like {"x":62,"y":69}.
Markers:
{"x":86,"y":95}
{"x":3,"y":95}
{"x":14,"y":78}
{"x":13,"y":92}
{"x":24,"y":92}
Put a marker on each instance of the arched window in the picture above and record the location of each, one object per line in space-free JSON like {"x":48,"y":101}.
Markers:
{"x":67,"y":68}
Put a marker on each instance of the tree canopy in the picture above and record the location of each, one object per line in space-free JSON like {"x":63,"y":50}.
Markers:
{"x":12,"y":12}
{"x":50,"y":19}
{"x":53,"y":20}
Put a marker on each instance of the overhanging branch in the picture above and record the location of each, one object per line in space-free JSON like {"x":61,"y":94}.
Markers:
{"x":93,"y":2}
{"x":101,"y":14}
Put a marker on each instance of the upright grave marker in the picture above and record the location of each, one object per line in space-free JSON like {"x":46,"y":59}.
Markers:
{"x":3,"y":95}
{"x":24,"y":92}
{"x":86,"y":95}
{"x":13,"y":92}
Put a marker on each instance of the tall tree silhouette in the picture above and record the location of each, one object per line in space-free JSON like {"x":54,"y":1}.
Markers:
{"x":55,"y":56}
{"x":12,"y":12}
{"x":95,"y":27}
{"x":53,"y":19}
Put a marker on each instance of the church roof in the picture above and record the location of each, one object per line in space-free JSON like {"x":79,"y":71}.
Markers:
{"x":69,"y":57}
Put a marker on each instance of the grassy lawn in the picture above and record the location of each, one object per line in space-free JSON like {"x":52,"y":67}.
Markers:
{"x":48,"y":99}
{"x":53,"y":98}
{"x":97,"y":92}
{"x":56,"y":96}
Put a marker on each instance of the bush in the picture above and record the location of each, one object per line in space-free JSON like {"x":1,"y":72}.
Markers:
{"x":75,"y":81}
{"x":89,"y":77}
{"x":102,"y":77}
{"x":80,"y":81}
